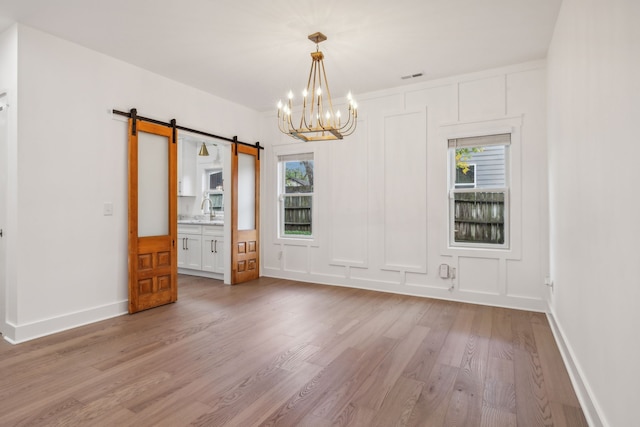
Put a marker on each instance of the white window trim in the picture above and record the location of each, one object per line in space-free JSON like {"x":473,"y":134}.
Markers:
{"x":513,"y":125}
{"x":292,"y":150}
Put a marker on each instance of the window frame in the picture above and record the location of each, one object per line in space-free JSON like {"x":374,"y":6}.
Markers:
{"x":281,"y":160}
{"x":452,"y":191}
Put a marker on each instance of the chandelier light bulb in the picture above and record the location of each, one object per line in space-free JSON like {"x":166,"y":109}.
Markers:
{"x":280,"y":105}
{"x":305,"y":93}
{"x":338,"y":114}
{"x":328,"y":115}
{"x":290,"y":95}
{"x":319,"y":91}
{"x":349,"y":97}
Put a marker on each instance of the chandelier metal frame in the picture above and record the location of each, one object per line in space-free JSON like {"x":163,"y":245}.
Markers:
{"x":319,"y":121}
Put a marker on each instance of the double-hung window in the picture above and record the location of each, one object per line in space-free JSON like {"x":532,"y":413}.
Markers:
{"x":213,"y":183}
{"x":295,"y":195}
{"x":479,"y":191}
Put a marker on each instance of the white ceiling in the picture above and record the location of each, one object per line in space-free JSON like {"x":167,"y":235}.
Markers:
{"x":253,"y":51}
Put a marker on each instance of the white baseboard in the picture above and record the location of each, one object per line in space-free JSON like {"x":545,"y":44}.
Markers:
{"x":580,"y":385}
{"x":506,"y":301}
{"x":25,"y":332}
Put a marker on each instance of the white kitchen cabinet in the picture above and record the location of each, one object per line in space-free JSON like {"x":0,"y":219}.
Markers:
{"x":201,"y":250}
{"x":213,"y":249}
{"x":190,"y":247}
{"x":187,"y":159}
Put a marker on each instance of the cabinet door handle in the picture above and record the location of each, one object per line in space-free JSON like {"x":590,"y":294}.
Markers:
{"x":186,"y":240}
{"x":212,"y":246}
{"x":216,"y":246}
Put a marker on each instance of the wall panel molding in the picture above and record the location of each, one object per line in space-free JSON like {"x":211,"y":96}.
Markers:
{"x":348,"y":177}
{"x":405,"y":192}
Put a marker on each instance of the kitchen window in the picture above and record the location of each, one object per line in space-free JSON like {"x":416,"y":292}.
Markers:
{"x":296,"y":195}
{"x":479,"y":191}
{"x":214,"y":190}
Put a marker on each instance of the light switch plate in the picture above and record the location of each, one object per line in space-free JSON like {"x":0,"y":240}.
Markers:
{"x":107,"y":209}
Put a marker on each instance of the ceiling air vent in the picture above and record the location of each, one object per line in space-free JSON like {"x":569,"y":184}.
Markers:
{"x":411,"y":76}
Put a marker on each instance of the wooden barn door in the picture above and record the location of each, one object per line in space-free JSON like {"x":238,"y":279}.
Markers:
{"x":245,"y":218}
{"x":153,"y":224}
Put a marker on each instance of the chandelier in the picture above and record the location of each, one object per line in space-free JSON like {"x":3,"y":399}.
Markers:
{"x":318,"y":121}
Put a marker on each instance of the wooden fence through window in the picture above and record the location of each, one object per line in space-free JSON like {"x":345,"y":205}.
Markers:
{"x":479,"y":217}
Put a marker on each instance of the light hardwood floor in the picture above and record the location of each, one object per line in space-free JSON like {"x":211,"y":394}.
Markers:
{"x":276,"y":352}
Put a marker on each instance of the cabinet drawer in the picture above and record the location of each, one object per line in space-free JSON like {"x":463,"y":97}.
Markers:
{"x":212,"y":230}
{"x":189,"y":229}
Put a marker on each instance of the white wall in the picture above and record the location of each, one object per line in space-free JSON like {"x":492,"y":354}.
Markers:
{"x":593,"y":110}
{"x":70,"y":260}
{"x":381,"y":219}
{"x":8,"y":170}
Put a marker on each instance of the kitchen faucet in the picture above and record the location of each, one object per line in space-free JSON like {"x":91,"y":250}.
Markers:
{"x":212,"y":213}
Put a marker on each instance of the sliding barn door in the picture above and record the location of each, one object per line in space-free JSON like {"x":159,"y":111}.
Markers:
{"x":153,"y":224}
{"x":245,"y":218}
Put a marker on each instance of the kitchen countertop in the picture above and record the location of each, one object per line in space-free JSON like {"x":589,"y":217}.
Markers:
{"x":201,"y":221}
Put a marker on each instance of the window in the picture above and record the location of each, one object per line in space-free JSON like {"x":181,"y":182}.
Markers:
{"x":214,"y":179}
{"x":466,"y":177}
{"x":213,"y":184}
{"x":479,"y":191}
{"x":296,"y":190}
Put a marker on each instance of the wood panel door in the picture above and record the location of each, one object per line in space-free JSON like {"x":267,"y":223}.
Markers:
{"x":245,"y":217}
{"x":153,"y":224}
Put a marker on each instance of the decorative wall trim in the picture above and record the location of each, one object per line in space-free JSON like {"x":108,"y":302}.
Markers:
{"x":21,"y":333}
{"x":426,"y":291}
{"x":407,"y":151}
{"x":356,"y":148}
{"x":406,"y":144}
{"x":581,"y":387}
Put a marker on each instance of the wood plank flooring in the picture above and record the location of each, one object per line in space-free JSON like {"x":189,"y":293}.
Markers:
{"x":281,"y":353}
